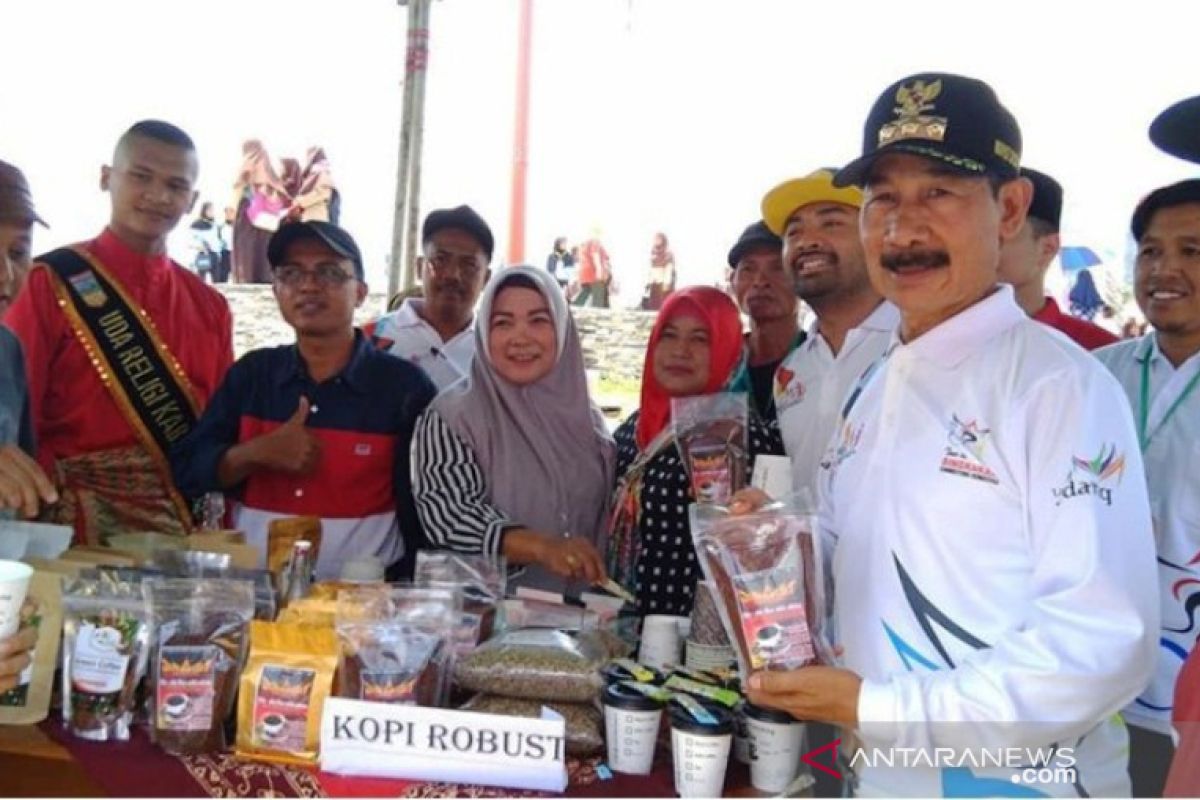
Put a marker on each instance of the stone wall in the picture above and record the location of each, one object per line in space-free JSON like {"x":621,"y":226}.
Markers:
{"x":614,"y":341}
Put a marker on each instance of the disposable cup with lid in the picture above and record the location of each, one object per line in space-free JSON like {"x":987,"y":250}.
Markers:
{"x":631,"y":722}
{"x":776,"y":743}
{"x":700,"y":748}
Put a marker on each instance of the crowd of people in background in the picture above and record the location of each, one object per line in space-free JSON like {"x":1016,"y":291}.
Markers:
{"x":233,"y":247}
{"x":1004,"y":501}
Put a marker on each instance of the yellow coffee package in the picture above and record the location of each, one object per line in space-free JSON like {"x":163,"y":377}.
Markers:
{"x":288,"y":676}
{"x":310,"y":610}
{"x":283,"y":533}
{"x":29,"y":702}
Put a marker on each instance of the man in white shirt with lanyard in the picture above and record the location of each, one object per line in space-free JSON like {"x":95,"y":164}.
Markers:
{"x":436,"y":332}
{"x":1159,"y":372}
{"x":983,"y":504}
{"x":818,"y":223}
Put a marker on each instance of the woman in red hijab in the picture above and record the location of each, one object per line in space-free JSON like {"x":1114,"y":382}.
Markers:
{"x":694,"y":347}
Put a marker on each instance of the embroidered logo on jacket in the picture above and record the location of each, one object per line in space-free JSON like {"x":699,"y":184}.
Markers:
{"x":965,"y":453}
{"x":846,"y":446}
{"x":788,"y":389}
{"x":1093,"y":477}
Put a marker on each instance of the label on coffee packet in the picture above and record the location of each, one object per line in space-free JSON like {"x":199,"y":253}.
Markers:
{"x":184,"y":698}
{"x":712,"y":481}
{"x":773,"y":617}
{"x":98,"y":667}
{"x":389,"y":686}
{"x":281,"y":708}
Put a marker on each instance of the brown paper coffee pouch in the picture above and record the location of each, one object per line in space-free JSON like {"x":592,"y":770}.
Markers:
{"x":288,"y":676}
{"x":29,"y":702}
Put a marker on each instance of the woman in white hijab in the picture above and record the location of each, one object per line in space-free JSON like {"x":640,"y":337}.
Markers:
{"x":515,"y":459}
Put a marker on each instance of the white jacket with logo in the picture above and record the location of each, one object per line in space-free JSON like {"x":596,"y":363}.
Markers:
{"x":1171,"y":458}
{"x":985,"y":512}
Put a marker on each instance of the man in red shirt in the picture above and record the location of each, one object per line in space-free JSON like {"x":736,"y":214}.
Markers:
{"x":1025,"y":258}
{"x":123,"y":347}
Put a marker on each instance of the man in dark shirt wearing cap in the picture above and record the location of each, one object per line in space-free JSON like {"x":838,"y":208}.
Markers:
{"x":435,"y":332}
{"x":319,"y":428}
{"x":765,"y":290}
{"x":1025,"y":258}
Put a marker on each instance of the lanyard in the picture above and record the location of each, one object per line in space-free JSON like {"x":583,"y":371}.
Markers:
{"x":1145,"y":436}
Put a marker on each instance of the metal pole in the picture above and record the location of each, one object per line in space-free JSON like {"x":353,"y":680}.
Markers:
{"x":516,"y":218}
{"x":399,"y":211}
{"x":419,"y":44}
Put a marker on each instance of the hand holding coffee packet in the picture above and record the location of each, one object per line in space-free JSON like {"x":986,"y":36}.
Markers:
{"x":769,"y":579}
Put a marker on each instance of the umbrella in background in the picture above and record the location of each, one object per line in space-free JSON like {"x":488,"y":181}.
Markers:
{"x":1073,"y":259}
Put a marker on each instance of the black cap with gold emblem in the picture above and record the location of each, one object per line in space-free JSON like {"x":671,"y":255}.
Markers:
{"x":956,"y":120}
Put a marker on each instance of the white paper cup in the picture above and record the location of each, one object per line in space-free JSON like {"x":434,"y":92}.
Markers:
{"x":776,"y":743}
{"x":662,"y":640}
{"x":631,"y":722}
{"x":14,"y":583}
{"x":701,"y":755}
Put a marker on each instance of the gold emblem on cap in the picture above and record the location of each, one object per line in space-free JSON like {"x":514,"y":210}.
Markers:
{"x":1008,"y":153}
{"x":914,"y":99}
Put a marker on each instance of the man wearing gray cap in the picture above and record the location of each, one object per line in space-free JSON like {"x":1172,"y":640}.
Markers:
{"x":17,"y":216}
{"x":983,"y":504}
{"x":23,"y":484}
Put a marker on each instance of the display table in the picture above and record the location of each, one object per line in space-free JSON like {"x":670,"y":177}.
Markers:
{"x":45,"y":761}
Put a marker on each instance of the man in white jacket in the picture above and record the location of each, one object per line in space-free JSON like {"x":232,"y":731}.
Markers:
{"x":983,"y":506}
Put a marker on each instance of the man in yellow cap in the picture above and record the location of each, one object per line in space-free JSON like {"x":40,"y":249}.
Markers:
{"x":818,"y":223}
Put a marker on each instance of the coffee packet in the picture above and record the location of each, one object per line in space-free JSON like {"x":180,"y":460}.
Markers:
{"x":288,"y":675}
{"x":769,"y":580}
{"x":200,"y":648}
{"x":106,"y":647}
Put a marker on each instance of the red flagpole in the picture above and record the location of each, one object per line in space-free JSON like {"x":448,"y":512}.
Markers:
{"x":516,"y":224}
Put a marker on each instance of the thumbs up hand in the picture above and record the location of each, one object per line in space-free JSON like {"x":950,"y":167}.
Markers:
{"x":291,"y":447}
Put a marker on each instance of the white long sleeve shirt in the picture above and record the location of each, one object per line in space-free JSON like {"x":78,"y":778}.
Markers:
{"x":1171,"y":456}
{"x":812,"y":382}
{"x":984,"y":508}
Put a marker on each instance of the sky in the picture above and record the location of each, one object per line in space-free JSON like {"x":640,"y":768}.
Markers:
{"x":646,"y":115}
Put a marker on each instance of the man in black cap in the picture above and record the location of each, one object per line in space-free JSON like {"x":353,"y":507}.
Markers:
{"x":1177,"y":130}
{"x":766,"y":292}
{"x":318,"y":428}
{"x":1025,"y":258}
{"x":983,"y":502}
{"x":435,"y":332}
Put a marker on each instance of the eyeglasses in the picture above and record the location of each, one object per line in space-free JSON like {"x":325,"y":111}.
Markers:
{"x":326,"y":275}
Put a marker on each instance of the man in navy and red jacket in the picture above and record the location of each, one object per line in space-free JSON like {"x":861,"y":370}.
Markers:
{"x":321,"y":427}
